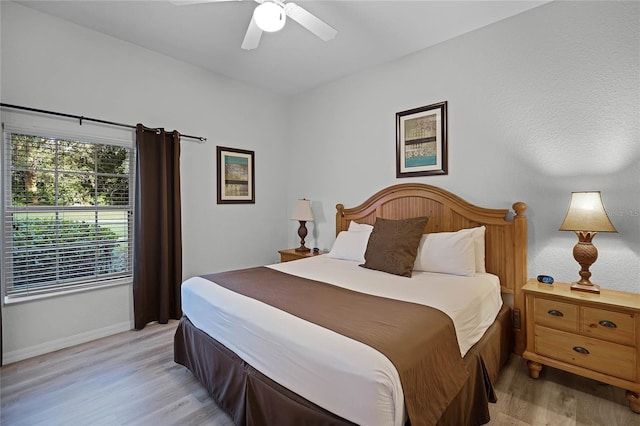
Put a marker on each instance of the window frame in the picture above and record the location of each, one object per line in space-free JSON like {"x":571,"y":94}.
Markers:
{"x":11,"y":294}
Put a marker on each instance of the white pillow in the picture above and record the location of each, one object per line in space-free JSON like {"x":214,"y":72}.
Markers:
{"x":447,"y":253}
{"x":350,"y":245}
{"x":355,"y":226}
{"x":478,"y":242}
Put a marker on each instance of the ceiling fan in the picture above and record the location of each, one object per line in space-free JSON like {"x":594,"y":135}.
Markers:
{"x":271,"y":15}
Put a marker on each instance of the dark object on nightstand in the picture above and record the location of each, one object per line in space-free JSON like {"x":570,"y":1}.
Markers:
{"x":545,"y":279}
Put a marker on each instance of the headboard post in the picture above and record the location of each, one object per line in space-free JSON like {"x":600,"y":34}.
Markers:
{"x":340,"y":218}
{"x":520,"y":265}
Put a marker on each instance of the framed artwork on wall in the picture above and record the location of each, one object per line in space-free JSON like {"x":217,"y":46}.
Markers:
{"x":236,"y":179}
{"x":421,"y":141}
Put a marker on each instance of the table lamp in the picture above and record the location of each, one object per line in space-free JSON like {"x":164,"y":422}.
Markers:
{"x":586,"y":217}
{"x":302,"y":213}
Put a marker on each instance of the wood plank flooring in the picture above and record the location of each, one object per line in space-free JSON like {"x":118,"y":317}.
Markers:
{"x":131,"y":379}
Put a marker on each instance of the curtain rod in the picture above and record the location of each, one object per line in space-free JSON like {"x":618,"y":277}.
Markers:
{"x":81,"y":118}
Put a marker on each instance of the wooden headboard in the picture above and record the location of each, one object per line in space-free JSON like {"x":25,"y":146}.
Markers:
{"x":506,"y":238}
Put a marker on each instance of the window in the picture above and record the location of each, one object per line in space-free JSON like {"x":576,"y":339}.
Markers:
{"x":67,"y":213}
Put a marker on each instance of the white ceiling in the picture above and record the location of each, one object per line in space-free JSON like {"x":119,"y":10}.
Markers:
{"x":292,"y":60}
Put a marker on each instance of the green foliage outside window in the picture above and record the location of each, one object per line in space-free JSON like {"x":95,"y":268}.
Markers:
{"x":68,"y":218}
{"x":47,"y":172}
{"x":47,"y":251}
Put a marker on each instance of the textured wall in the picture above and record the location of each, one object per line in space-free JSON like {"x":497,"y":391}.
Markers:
{"x":51,"y":64}
{"x":540,"y":105}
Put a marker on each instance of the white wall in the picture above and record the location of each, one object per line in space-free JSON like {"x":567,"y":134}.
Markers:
{"x":539,"y":105}
{"x":51,"y":64}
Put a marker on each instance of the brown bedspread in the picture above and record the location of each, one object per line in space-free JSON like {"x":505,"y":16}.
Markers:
{"x":420,"y":341}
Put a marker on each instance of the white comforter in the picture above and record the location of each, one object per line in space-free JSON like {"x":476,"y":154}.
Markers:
{"x":339,"y":374}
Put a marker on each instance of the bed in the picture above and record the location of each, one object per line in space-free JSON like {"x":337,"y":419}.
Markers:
{"x":267,"y":361}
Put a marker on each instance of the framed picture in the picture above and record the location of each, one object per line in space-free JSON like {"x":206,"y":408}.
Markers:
{"x":236,"y":180}
{"x":421,"y":141}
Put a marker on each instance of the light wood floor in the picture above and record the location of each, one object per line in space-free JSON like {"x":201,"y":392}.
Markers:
{"x":131,"y":379}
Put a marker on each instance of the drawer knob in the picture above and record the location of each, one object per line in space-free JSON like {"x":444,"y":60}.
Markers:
{"x":606,"y":323}
{"x":555,"y":313}
{"x":581,"y":350}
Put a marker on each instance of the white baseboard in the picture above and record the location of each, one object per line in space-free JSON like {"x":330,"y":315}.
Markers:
{"x":65,"y":342}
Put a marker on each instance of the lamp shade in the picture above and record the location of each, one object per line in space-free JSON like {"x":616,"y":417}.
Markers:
{"x":302,"y":211}
{"x":270,"y":17}
{"x":586,"y":213}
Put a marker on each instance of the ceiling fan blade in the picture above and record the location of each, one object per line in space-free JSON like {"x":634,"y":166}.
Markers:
{"x":310,"y":22}
{"x":252,"y":36}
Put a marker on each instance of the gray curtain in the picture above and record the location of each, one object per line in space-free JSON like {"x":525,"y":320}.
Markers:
{"x":157,"y":227}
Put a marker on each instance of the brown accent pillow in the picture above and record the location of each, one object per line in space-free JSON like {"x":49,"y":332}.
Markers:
{"x":393,"y":245}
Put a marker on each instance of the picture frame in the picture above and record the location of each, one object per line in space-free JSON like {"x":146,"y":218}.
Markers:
{"x":235,"y":175}
{"x":421,"y":141}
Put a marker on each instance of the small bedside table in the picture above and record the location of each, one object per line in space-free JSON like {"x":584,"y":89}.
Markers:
{"x":291,"y":254}
{"x":592,"y":335}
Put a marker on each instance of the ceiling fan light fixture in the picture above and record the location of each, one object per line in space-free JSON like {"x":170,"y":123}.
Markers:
{"x":270,"y":17}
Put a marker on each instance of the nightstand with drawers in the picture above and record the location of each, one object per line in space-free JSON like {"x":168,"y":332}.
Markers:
{"x":592,"y":335}
{"x":291,"y":254}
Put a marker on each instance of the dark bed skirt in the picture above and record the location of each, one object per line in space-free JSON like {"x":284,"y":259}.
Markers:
{"x":251,"y":398}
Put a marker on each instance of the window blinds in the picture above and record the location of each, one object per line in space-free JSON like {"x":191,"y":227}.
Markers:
{"x":67,"y":213}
